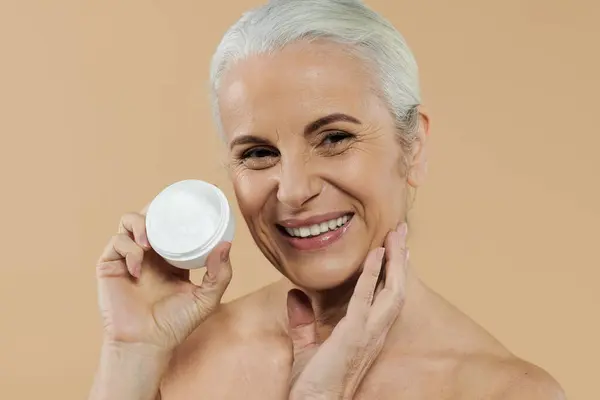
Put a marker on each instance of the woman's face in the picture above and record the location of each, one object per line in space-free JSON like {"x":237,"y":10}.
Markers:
{"x":316,"y":165}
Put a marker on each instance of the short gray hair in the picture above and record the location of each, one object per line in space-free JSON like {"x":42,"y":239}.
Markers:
{"x":280,"y":22}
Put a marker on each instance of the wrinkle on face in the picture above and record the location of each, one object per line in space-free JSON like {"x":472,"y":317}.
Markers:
{"x":276,"y":97}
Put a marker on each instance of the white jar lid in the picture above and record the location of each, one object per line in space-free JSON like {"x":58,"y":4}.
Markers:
{"x":185,"y":217}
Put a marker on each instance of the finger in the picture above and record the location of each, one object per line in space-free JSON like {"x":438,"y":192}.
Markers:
{"x":153,"y":260}
{"x":144,"y":210}
{"x":380,"y":284}
{"x":215,"y":281}
{"x":362,"y":298}
{"x":301,"y":321}
{"x":121,"y":247}
{"x":302,"y":331}
{"x":390,"y":300}
{"x":396,"y":259}
{"x":134,"y":224}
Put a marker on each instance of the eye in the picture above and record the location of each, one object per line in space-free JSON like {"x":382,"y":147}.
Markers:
{"x":259,"y":152}
{"x":335,"y":137}
{"x":259,"y":157}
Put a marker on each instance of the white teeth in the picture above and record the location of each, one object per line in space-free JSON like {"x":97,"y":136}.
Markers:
{"x":315,"y":230}
{"x":318,"y":229}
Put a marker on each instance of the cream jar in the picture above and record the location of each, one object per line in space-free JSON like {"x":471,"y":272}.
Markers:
{"x":187,"y":220}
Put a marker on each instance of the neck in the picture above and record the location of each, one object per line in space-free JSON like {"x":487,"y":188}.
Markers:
{"x":330,"y":306}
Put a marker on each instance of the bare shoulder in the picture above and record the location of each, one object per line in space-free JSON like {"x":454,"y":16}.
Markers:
{"x":240,"y":324}
{"x":508,"y":378}
{"x":474,"y":364}
{"x":487,"y":366}
{"x":496,"y":373}
{"x":227,"y":353}
{"x":527,"y":381}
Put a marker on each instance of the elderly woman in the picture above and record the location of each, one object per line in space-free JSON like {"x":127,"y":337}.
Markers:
{"x":318,"y":102}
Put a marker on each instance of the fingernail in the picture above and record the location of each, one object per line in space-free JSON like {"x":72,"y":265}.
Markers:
{"x":407,"y":254}
{"x":225,"y":254}
{"x":380,"y":253}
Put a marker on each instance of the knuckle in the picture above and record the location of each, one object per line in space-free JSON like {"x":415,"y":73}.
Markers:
{"x":403,"y":252}
{"x":107,"y":268}
{"x":366,"y":297}
{"x":205,"y":301}
{"x":124,"y":245}
{"x":226,"y":275}
{"x":396,"y":293}
{"x":132,"y":219}
{"x":119,"y":239}
{"x":137,"y":250}
{"x":112,"y":246}
{"x":128,"y":216}
{"x":374,"y":272}
{"x":400,"y":297}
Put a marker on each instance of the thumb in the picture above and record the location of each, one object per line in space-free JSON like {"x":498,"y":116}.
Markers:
{"x":215,"y":281}
{"x":301,"y":323}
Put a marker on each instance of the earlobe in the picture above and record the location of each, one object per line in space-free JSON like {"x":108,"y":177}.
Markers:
{"x":416,"y":175}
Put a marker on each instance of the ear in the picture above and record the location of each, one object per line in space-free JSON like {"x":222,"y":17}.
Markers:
{"x":417,"y":163}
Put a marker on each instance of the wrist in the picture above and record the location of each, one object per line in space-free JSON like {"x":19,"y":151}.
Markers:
{"x":136,"y":351}
{"x":130,"y":371}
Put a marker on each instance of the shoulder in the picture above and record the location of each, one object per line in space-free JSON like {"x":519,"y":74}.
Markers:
{"x":526,"y":381}
{"x":229,"y":353}
{"x":509,"y":378}
{"x":237,"y":322}
{"x":245,"y":325}
{"x":485,"y":367}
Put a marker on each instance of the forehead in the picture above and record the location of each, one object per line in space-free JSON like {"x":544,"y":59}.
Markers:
{"x":291,"y":87}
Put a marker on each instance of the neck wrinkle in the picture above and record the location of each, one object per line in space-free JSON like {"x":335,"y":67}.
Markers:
{"x":330,"y":307}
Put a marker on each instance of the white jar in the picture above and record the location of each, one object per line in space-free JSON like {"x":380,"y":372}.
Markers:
{"x":187,"y":220}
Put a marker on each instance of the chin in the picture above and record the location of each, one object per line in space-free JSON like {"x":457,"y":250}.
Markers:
{"x":322,"y":260}
{"x":318,"y":277}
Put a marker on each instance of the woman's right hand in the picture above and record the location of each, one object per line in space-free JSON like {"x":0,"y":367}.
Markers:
{"x":144,"y":300}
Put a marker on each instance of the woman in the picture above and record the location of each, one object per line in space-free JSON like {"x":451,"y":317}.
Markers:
{"x":318,"y":102}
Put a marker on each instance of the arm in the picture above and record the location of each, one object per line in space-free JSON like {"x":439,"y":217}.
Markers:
{"x":129,"y":373}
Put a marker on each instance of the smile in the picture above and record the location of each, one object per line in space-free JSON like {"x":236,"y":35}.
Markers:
{"x":318,"y":229}
{"x":315,"y":233}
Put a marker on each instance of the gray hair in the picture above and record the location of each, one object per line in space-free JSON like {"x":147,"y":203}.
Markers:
{"x":349,"y":22}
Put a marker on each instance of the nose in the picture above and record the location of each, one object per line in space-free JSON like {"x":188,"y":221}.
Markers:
{"x":297,"y":185}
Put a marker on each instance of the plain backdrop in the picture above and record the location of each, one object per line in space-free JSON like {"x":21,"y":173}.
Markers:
{"x":103,"y":103}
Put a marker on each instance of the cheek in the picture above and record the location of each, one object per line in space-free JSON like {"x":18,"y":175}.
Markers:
{"x":252,"y":190}
{"x":373,"y":176}
{"x":375,"y":180}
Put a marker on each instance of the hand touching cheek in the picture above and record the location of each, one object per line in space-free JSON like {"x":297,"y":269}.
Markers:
{"x":335,"y":369}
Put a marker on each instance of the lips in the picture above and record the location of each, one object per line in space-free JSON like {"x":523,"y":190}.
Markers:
{"x":318,"y":229}
{"x":316,"y":232}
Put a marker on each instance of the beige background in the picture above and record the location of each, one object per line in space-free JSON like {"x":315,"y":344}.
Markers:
{"x":103,"y":103}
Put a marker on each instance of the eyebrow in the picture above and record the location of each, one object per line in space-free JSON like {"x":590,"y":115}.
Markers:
{"x":329,"y":119}
{"x":310,"y":128}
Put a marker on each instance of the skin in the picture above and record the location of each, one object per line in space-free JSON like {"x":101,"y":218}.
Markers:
{"x":363,"y":325}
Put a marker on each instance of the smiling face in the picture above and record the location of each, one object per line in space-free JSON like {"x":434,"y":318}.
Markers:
{"x":316,"y":164}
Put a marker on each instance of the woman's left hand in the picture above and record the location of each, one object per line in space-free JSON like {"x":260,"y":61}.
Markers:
{"x":335,"y":369}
